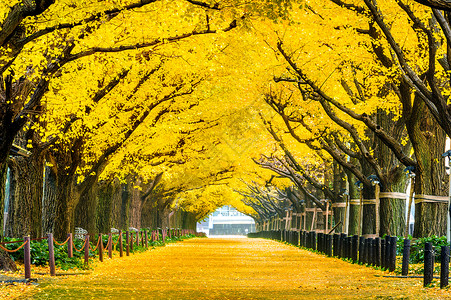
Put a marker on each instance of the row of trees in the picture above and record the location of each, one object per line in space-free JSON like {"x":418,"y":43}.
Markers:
{"x":106,"y":98}
{"x":362,"y":104}
{"x":169,"y":101}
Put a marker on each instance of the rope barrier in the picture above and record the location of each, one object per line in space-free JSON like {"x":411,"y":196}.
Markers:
{"x":114,"y":244}
{"x":61,"y":244}
{"x":84,"y":244}
{"x":108,"y":243}
{"x":11,"y":242}
{"x":39,"y":239}
{"x":98,"y":242}
{"x":11,"y":251}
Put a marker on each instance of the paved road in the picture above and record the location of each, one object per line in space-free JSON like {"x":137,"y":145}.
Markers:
{"x":234,"y":269}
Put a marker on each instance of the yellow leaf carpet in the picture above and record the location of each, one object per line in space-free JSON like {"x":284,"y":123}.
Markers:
{"x":232,"y":269}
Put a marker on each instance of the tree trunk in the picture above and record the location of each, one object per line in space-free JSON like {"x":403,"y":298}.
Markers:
{"x":393,"y":216}
{"x":49,"y":201}
{"x":25,"y":203}
{"x":86,"y":209}
{"x":428,"y":140}
{"x":106,"y":204}
{"x":66,"y":197}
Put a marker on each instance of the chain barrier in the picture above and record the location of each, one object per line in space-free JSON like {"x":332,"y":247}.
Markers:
{"x":11,"y":251}
{"x":98,"y":242}
{"x":84,"y":244}
{"x":61,"y":244}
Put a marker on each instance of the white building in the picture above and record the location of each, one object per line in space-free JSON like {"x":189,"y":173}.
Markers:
{"x":227,"y":220}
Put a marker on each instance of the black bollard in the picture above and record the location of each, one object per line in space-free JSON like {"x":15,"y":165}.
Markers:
{"x":383,"y":254}
{"x":343,"y":245}
{"x":320,"y":242}
{"x":314,"y":240}
{"x":370,"y":257}
{"x":387,"y":252}
{"x":366,"y":250}
{"x":355,"y":247}
{"x":444,"y":268}
{"x":336,"y":247}
{"x":361,"y":249}
{"x":405,"y":257}
{"x":428,"y":264}
{"x":377,"y":250}
{"x":393,"y":246}
{"x":349,"y":247}
{"x":329,"y":245}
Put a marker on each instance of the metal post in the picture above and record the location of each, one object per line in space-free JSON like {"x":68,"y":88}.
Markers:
{"x":51,"y":254}
{"x":121,"y":247}
{"x":100,"y":250}
{"x":70,"y":246}
{"x":110,"y":245}
{"x":27,"y":257}
{"x":127,"y":243}
{"x":87,"y":249}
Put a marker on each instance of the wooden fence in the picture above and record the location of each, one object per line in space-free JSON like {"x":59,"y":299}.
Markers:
{"x":131,"y":238}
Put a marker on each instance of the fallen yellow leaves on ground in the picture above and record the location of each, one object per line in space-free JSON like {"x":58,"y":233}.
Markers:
{"x":232,"y":269}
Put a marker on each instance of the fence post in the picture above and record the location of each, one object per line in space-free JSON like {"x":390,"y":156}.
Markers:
{"x":343,"y":245}
{"x":361,"y":249}
{"x":121,"y":247}
{"x":387,"y":251}
{"x":87,"y":249}
{"x":137,"y":238}
{"x":100,"y":247}
{"x":127,"y":243}
{"x":428,"y":264}
{"x":70,"y":246}
{"x":355,"y":247}
{"x":131,"y":241}
{"x":349,"y":247}
{"x":377,"y":258}
{"x":27,"y":257}
{"x":110,"y":245}
{"x":146,"y":239}
{"x":393,"y":246}
{"x":405,"y":257}
{"x":314,"y":240}
{"x":51,"y":254}
{"x":444,"y":267}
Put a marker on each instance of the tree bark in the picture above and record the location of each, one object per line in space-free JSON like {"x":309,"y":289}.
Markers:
{"x":428,"y":140}
{"x":25,"y":203}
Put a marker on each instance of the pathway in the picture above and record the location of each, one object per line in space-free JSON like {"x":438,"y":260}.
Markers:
{"x":233,"y":269}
